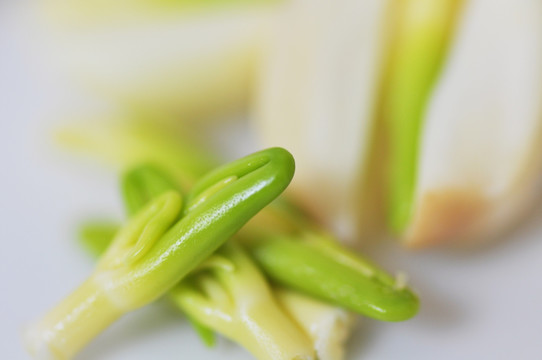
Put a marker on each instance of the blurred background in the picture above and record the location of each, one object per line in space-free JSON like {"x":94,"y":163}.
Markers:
{"x":416,"y":126}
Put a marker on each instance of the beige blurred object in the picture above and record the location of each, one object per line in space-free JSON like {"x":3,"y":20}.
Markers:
{"x":481,"y":146}
{"x":189,"y":62}
{"x":318,"y":88}
{"x":479,"y":164}
{"x":328,"y":326}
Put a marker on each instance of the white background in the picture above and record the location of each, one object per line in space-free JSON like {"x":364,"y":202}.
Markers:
{"x":485,"y":304}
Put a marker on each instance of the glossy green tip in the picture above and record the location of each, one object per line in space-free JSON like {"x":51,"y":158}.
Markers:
{"x":259,"y":178}
{"x":337,"y":276}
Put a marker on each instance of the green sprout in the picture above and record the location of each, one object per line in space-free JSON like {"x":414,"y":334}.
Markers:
{"x":326,"y":325}
{"x":155,"y":250}
{"x":307,"y":260}
{"x":319,"y":267}
{"x":236,"y":301}
{"x":227,"y":292}
{"x":296,"y":254}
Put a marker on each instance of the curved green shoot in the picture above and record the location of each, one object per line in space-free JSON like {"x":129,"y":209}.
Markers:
{"x":331,"y":273}
{"x":152,"y":253}
{"x":280,"y":220}
{"x":254,"y":318}
{"x":106,"y":295}
{"x":96,"y":236}
{"x":328,"y":326}
{"x":294,"y":252}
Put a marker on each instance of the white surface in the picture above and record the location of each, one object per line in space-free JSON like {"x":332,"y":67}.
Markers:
{"x":481,"y":305}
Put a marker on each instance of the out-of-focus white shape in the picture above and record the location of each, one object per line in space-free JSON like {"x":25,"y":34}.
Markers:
{"x":102,"y":12}
{"x":36,"y":344}
{"x":328,"y":326}
{"x":189,"y":63}
{"x":481,"y":147}
{"x":318,"y":88}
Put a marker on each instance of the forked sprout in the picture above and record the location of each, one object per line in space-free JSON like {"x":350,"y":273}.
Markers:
{"x":154,"y":251}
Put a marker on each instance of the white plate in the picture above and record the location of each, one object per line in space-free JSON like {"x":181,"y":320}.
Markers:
{"x":479,"y":305}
